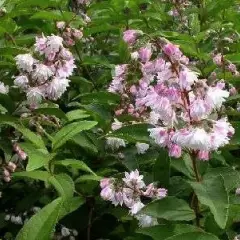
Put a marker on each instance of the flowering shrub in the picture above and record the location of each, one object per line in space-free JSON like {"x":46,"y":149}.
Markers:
{"x":119,"y":120}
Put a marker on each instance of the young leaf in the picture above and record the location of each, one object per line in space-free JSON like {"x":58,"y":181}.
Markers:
{"x":76,"y":115}
{"x":69,"y":131}
{"x":170,"y":208}
{"x":213,"y":194}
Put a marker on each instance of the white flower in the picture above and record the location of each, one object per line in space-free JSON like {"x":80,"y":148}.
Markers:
{"x":65,"y":232}
{"x":34,"y":95}
{"x":64,"y":68}
{"x":116,"y":124}
{"x":41,"y":73}
{"x":160,"y":135}
{"x":153,"y":117}
{"x":187,"y":78}
{"x":197,"y":139}
{"x":21,"y":81}
{"x":54,"y":43}
{"x":56,"y":88}
{"x":107,"y":193}
{"x":3,"y":88}
{"x":25,"y":62}
{"x":115,"y":143}
{"x":142,"y":147}
{"x":7,"y":217}
{"x":200,"y":108}
{"x":135,"y":55}
{"x":134,"y":180}
{"x":146,"y":221}
{"x":136,"y":208}
{"x":216,"y":96}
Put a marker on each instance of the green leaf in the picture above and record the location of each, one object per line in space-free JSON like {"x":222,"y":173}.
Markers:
{"x":83,"y":140}
{"x":37,"y":158}
{"x":86,"y":178}
{"x":69,"y":131}
{"x":99,"y":97}
{"x":133,"y":133}
{"x":76,"y":164}
{"x":194,"y":235}
{"x":161,"y":169}
{"x":165,"y":231}
{"x":41,"y":225}
{"x":31,"y":136}
{"x":51,"y":111}
{"x":170,"y":208}
{"x":36,"y":175}
{"x":213,"y":194}
{"x":64,"y":184}
{"x":76,"y":115}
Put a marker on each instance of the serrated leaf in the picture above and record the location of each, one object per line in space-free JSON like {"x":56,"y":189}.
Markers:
{"x":74,"y":163}
{"x":41,"y":225}
{"x":37,"y":158}
{"x":77,"y":114}
{"x":170,"y":208}
{"x":69,"y":131}
{"x":213,"y":194}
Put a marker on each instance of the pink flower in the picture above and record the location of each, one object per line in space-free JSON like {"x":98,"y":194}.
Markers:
{"x":145,"y":54}
{"x":203,"y":155}
{"x":105,"y":182}
{"x":217,"y":59}
{"x":187,"y":78}
{"x":134,"y":180}
{"x":199,"y":109}
{"x":107,"y":193}
{"x":175,"y":151}
{"x":130,"y":36}
{"x":172,"y":51}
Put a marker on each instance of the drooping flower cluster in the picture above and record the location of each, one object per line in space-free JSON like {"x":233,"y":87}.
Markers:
{"x":47,"y":78}
{"x":183,"y":108}
{"x":128,"y":191}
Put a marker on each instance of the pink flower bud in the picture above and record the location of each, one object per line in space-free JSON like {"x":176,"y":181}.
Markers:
{"x":172,"y":51}
{"x":12,"y":166}
{"x":61,"y":25}
{"x":7,"y":179}
{"x":22,"y":155}
{"x":16,"y":147}
{"x":70,"y":42}
{"x":133,"y":89}
{"x":6,"y":173}
{"x":217,"y":59}
{"x":145,"y":54}
{"x":233,"y":91}
{"x":119,"y":112}
{"x":77,"y":34}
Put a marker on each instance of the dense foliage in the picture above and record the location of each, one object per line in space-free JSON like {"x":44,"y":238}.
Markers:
{"x":120,"y":119}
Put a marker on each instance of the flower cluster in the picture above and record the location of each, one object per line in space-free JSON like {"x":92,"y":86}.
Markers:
{"x":220,"y":61}
{"x":70,"y":35}
{"x":169,"y":94}
{"x":128,"y":191}
{"x":7,"y":170}
{"x":47,"y":78}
